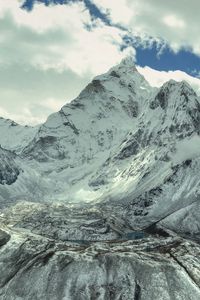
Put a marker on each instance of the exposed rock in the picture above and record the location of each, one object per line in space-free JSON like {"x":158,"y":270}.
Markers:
{"x":9,"y":170}
{"x":151,"y":268}
{"x":4,"y":238}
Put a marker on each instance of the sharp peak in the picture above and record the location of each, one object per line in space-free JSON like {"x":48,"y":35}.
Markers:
{"x":126,"y":64}
{"x":180,"y":85}
{"x":172,"y":82}
{"x":127,"y":61}
{"x":124,"y":68}
{"x":178,"y":92}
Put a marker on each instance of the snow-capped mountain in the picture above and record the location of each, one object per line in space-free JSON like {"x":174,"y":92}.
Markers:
{"x":118,"y":141}
{"x":15,"y":137}
{"x":122,"y":157}
{"x":90,"y":123}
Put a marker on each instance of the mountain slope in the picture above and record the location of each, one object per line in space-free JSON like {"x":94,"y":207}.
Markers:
{"x":13,"y":136}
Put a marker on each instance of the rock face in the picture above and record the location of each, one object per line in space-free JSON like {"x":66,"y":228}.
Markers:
{"x":9,"y":171}
{"x":110,"y":189}
{"x":4,"y":238}
{"x":37,"y":263}
{"x":64,"y":272}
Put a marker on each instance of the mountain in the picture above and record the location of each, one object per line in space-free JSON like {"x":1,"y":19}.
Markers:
{"x":108,"y":187}
{"x":90,"y":123}
{"x":13,"y":136}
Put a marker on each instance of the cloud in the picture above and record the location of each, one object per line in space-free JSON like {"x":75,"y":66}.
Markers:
{"x":175,"y":22}
{"x":119,"y":11}
{"x":56,"y":37}
{"x":25,"y":87}
{"x":49,"y":53}
{"x":157,"y":78}
{"x":20,"y":117}
{"x":59,"y":48}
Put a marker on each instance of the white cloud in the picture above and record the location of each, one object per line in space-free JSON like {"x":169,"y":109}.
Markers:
{"x":173,"y":21}
{"x":176,"y":22}
{"x":93,"y":52}
{"x":157,"y":78}
{"x":118,"y":10}
{"x":53,"y":104}
{"x":77,"y":49}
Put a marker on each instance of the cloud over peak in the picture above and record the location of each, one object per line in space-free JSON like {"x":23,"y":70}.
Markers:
{"x":59,"y":48}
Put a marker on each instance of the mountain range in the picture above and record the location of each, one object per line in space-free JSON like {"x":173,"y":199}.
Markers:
{"x":102,"y":201}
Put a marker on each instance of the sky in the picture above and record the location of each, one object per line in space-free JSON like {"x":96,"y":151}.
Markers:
{"x":50,"y":49}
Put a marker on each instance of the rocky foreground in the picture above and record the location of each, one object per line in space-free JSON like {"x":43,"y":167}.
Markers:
{"x":62,"y":255}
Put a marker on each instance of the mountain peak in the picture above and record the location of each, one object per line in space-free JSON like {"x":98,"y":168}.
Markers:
{"x":125,"y":68}
{"x":124,"y":74}
{"x":180,"y":85}
{"x":174,"y":92}
{"x":127,"y":64}
{"x":127,"y":61}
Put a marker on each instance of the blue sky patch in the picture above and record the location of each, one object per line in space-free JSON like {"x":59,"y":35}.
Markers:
{"x":29,"y":4}
{"x":183,"y":60}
